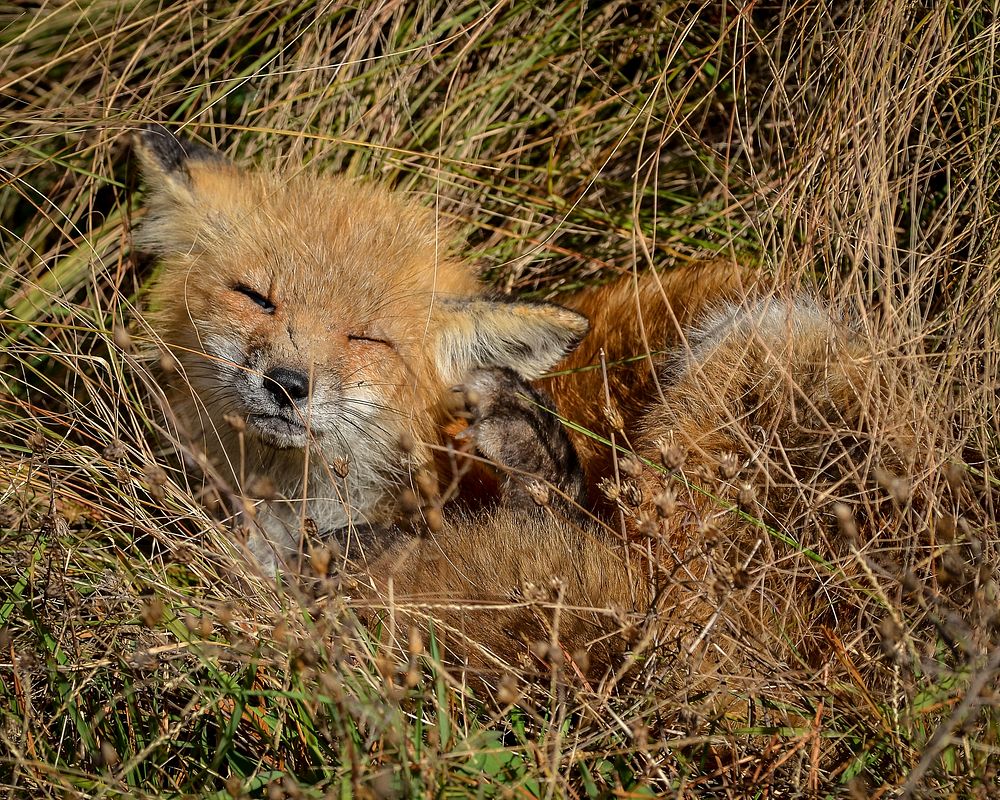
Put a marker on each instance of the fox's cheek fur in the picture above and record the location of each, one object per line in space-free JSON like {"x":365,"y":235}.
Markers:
{"x":356,"y":398}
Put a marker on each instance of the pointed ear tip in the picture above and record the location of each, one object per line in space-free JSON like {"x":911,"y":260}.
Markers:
{"x":146,"y":136}
{"x":159,"y":150}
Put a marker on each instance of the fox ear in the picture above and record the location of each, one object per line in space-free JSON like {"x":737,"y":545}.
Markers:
{"x":167,"y":161}
{"x":187,"y":192}
{"x":528,"y":338}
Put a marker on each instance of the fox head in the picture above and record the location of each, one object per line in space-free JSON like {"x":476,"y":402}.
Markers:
{"x":329,"y":314}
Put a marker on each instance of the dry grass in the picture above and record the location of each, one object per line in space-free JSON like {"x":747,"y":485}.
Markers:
{"x":853,"y":149}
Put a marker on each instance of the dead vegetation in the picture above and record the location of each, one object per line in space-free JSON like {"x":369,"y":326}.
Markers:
{"x":849,"y":148}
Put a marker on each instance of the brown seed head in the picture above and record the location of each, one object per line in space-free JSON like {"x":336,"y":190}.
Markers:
{"x":631,"y":493}
{"x":649,"y":526}
{"x":891,"y":637}
{"x":415,"y":644}
{"x":507,"y":692}
{"x":955,"y":475}
{"x":640,"y":734}
{"x":408,"y":502}
{"x":539,"y":648}
{"x":945,"y":528}
{"x":534,"y":593}
{"x":310,"y":530}
{"x":168,"y":364}
{"x":53,"y":525}
{"x":741,"y":579}
{"x":156,"y":479}
{"x":845,"y":522}
{"x":241,"y":533}
{"x":384,"y":666}
{"x":471,"y":398}
{"x":261,"y":487}
{"x":37,"y":443}
{"x":281,"y":634}
{"x":121,"y":337}
{"x":666,"y":503}
{"x":538,"y":492}
{"x":433,"y":518}
{"x":609,"y":489}
{"x":910,"y":582}
{"x":320,"y":558}
{"x":671,"y":455}
{"x":729,"y":466}
{"x":114,"y":450}
{"x":630,"y":466}
{"x":708,"y":532}
{"x":614,"y":418}
{"x":427,"y":485}
{"x":144,"y":659}
{"x":897,"y":487}
{"x":747,"y":498}
{"x":406,"y":442}
{"x":954,"y":568}
{"x":108,"y":756}
{"x":152,"y":612}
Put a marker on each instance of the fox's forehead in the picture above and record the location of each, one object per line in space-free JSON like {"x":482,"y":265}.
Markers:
{"x":326,"y":241}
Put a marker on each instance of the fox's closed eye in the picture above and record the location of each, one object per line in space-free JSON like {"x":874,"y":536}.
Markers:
{"x":257,"y":297}
{"x":369,"y":338}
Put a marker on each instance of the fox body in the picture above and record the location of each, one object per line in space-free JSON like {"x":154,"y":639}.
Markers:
{"x":318,"y":323}
{"x":766,"y":454}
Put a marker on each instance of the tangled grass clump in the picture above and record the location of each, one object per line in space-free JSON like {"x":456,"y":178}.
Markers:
{"x":848,"y":148}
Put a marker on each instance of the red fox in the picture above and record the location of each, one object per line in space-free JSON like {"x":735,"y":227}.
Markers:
{"x":318,"y":323}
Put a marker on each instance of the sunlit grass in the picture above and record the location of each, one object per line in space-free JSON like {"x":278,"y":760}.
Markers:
{"x":852,"y":149}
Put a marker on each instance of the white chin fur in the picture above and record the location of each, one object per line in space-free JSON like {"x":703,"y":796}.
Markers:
{"x":279,"y":433}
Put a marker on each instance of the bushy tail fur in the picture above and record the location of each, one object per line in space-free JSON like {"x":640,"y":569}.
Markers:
{"x":787,"y":464}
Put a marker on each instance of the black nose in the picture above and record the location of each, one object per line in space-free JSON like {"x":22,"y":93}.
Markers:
{"x":287,"y":386}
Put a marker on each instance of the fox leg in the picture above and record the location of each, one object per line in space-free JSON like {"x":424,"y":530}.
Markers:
{"x":515,"y":426}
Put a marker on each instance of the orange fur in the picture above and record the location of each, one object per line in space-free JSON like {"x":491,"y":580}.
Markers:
{"x":634,"y":321}
{"x":500,"y":583}
{"x":784,"y":431}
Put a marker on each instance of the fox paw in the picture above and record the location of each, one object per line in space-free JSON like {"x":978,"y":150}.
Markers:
{"x":515,"y":427}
